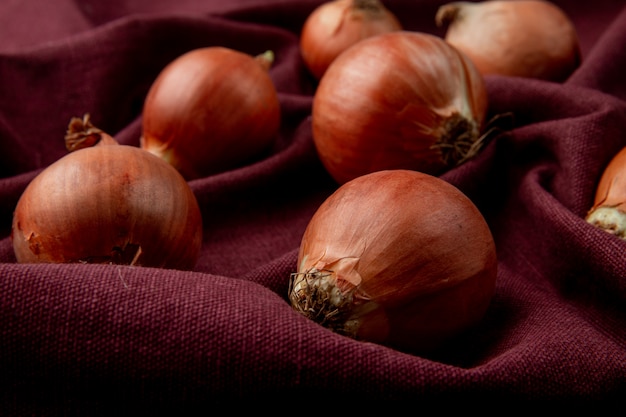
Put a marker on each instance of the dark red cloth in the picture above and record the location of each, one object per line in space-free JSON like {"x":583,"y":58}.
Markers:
{"x":99,"y":339}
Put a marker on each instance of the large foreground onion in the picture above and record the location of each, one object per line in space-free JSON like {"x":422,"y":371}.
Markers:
{"x":108,"y":203}
{"x":210,"y":110}
{"x":401,"y":100}
{"x":396,"y":257}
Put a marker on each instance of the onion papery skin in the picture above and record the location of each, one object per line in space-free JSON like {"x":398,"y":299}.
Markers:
{"x":609,"y":207}
{"x":108,"y":204}
{"x":396,"y":257}
{"x":336,"y":25}
{"x":401,"y":100}
{"x":210,"y":110}
{"x":523,"y":38}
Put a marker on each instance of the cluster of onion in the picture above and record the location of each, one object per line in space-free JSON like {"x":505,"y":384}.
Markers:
{"x":392,"y":109}
{"x":396,"y":255}
{"x":209,"y":110}
{"x":390,"y":98}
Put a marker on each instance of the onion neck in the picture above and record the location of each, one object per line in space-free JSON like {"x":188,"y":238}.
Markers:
{"x":81,"y":133}
{"x":448,"y":13}
{"x":266,"y":59}
{"x":370,"y":6}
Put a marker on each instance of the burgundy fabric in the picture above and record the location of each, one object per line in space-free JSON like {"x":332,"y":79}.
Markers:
{"x":98,"y":339}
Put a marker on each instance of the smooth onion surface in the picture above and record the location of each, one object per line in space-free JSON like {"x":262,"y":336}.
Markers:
{"x":210,"y":110}
{"x":396,"y":257}
{"x":336,"y":25}
{"x":609,"y":207}
{"x":524,"y":38}
{"x":108,"y":204}
{"x":401,"y":100}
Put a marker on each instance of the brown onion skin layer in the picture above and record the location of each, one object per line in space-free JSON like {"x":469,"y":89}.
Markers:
{"x":100,"y":204}
{"x":608,"y":211}
{"x":336,"y":25}
{"x":389,"y":100}
{"x":611,"y":189}
{"x":523,"y":38}
{"x":412,"y":243}
{"x":211,"y":110}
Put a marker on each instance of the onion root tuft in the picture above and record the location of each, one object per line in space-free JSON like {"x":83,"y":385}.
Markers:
{"x":316,"y":295}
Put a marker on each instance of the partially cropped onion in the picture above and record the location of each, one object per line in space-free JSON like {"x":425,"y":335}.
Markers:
{"x":107,"y":203}
{"x":609,"y":207}
{"x":396,"y":257}
{"x":336,"y":25}
{"x":210,"y":110}
{"x":524,"y":38}
{"x":398,"y":100}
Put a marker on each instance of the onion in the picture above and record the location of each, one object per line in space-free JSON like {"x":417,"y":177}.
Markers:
{"x":336,"y":25}
{"x":107,"y":203}
{"x":396,"y":257}
{"x":210,"y":110}
{"x":524,"y":38}
{"x":401,"y":100}
{"x":609,"y":207}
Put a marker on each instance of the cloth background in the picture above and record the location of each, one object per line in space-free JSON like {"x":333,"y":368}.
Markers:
{"x":99,"y":339}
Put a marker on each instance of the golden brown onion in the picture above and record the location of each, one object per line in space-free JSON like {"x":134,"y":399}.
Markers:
{"x":524,"y":38}
{"x":107,"y":203}
{"x":210,"y":110}
{"x":609,"y":207}
{"x":396,"y":257}
{"x":401,"y":100}
{"x":336,"y":25}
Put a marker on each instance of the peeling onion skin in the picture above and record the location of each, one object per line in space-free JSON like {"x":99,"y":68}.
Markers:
{"x":401,"y":100}
{"x":523,"y":38}
{"x":336,"y":25}
{"x":609,"y":207}
{"x":211,"y":110}
{"x":109,"y":204}
{"x":396,"y":257}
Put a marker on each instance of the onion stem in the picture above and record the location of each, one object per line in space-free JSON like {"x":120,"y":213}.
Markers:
{"x":81,"y":133}
{"x":266,"y":59}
